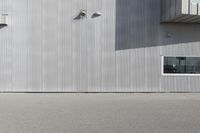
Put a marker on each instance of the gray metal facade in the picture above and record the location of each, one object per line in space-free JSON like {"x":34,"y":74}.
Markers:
{"x":45,"y":48}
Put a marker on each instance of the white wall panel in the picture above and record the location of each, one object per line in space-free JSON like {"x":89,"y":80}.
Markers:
{"x":94,"y":36}
{"x":5,"y":51}
{"x":45,"y":48}
{"x":65,"y":45}
{"x":20,"y":44}
{"x":35,"y":79}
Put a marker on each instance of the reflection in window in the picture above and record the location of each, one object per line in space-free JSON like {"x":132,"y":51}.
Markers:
{"x":196,"y":1}
{"x":182,"y":65}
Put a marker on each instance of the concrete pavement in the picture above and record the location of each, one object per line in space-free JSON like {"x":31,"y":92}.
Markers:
{"x":99,"y":113}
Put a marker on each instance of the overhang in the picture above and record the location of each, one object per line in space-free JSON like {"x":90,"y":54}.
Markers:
{"x":185,"y":11}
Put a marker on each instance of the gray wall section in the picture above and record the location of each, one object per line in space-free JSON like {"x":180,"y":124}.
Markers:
{"x":143,"y":16}
{"x":45,"y":49}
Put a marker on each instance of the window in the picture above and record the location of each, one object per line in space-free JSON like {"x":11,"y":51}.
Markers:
{"x":181,"y":65}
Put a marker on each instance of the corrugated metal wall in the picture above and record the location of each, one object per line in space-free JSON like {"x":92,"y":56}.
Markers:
{"x":45,"y":49}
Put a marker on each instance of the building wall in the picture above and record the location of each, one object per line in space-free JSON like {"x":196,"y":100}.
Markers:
{"x":45,"y":48}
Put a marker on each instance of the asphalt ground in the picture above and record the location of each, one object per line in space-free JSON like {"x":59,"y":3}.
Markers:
{"x":99,"y":113}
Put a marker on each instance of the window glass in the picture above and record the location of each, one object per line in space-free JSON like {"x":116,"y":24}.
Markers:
{"x":182,"y":65}
{"x":196,"y":1}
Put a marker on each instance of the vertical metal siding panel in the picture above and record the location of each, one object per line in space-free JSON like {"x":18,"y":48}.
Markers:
{"x":139,"y":26}
{"x":140,"y":23}
{"x":96,"y":78}
{"x":152,"y":65}
{"x":138,"y":70}
{"x":50,"y":47}
{"x":5,"y":50}
{"x":91,"y":8}
{"x":193,"y":50}
{"x":184,"y":49}
{"x":77,"y":35}
{"x":76,"y":6}
{"x":20,"y":46}
{"x":65,"y":45}
{"x":123,"y":71}
{"x":134,"y":69}
{"x":29,"y":42}
{"x":193,"y":84}
{"x":108,"y":46}
{"x":169,"y":84}
{"x":182,"y":84}
{"x":168,"y":12}
{"x":94,"y":45}
{"x":178,"y":7}
{"x":152,"y":57}
{"x":163,"y":9}
{"x":130,"y":14}
{"x":35,"y":43}
{"x":150,"y":22}
{"x":173,"y":8}
{"x":84,"y":51}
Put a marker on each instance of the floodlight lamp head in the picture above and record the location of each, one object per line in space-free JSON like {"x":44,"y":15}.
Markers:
{"x":83,"y":13}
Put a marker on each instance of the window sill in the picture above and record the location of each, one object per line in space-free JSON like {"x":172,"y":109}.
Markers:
{"x":181,"y":75}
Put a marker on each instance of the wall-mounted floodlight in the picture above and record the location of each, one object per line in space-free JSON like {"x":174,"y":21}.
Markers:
{"x":81,"y":14}
{"x":96,"y":14}
{"x":3,"y":20}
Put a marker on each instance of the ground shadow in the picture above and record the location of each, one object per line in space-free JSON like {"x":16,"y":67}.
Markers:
{"x":138,"y":25}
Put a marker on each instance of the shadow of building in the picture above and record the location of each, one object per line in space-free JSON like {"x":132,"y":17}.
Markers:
{"x":138,"y":25}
